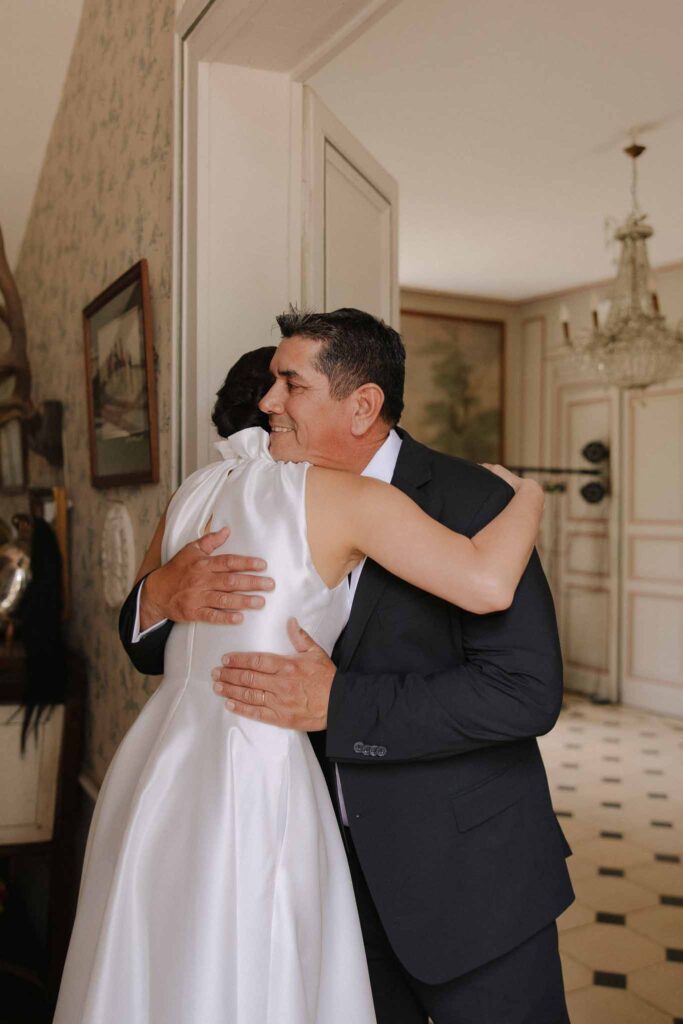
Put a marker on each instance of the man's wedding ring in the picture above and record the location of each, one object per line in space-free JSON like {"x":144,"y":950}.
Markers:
{"x":248,"y":699}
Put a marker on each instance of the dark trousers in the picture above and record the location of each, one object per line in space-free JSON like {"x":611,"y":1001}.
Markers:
{"x":523,"y":986}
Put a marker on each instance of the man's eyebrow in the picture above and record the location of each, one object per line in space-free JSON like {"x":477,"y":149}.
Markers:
{"x":290,"y":374}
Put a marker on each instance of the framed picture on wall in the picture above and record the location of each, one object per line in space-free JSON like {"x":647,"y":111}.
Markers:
{"x":454,"y":383}
{"x":120,"y":383}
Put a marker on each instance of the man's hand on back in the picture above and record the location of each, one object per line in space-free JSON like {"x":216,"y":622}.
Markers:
{"x":198,"y":586}
{"x":292,"y":692}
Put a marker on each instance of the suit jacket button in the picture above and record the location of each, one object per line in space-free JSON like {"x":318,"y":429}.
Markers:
{"x":381,"y":751}
{"x":366,"y":749}
{"x":373,"y":750}
{"x":358,"y":748}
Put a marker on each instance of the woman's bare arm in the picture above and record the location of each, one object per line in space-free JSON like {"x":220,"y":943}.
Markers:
{"x":350,"y":516}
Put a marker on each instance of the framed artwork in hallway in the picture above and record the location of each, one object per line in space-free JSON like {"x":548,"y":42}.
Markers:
{"x":454,"y":383}
{"x":120,"y":382}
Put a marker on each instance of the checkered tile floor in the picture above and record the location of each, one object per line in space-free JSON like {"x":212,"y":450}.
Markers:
{"x":616,"y":780}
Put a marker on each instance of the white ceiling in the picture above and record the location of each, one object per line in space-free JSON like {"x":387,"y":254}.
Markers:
{"x":501,"y":121}
{"x":37,"y":40}
{"x":504,"y":122}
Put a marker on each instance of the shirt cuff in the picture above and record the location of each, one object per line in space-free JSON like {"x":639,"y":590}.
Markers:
{"x":137,"y":635}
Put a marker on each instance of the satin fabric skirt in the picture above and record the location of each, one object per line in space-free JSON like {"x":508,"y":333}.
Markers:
{"x":215,"y":888}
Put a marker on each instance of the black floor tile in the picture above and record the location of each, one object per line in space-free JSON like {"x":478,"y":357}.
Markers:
{"x":609,"y":978}
{"x":602,"y":917}
{"x":675,"y":955}
{"x":612,"y":872}
{"x":671,"y":901}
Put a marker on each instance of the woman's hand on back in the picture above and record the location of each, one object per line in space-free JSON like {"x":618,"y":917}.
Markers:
{"x":505,"y":474}
{"x":516,"y":482}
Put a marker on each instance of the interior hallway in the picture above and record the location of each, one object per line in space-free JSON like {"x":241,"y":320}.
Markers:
{"x":616,"y":785}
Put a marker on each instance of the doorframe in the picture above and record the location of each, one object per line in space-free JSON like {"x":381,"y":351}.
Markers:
{"x":227,"y":31}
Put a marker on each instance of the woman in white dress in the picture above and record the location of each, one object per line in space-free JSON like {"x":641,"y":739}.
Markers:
{"x":215,"y":888}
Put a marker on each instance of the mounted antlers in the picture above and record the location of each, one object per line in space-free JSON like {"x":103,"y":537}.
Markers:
{"x":14,"y":362}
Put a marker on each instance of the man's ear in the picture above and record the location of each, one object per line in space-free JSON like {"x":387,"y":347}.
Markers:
{"x":368,"y":400}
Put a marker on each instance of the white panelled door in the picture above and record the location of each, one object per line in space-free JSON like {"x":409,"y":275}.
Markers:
{"x":350,"y":221}
{"x":587,"y":582}
{"x":652,"y":550}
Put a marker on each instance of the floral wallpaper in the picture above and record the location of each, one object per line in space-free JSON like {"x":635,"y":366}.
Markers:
{"x":103,"y":201}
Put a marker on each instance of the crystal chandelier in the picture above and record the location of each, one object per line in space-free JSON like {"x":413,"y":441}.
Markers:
{"x":633,"y":348}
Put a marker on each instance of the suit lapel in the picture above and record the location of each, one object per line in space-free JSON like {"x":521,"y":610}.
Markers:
{"x":412,"y":475}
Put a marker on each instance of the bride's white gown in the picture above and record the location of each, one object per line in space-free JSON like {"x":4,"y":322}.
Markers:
{"x":215,"y":888}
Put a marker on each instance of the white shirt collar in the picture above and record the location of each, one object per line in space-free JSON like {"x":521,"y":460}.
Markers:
{"x":383,"y":463}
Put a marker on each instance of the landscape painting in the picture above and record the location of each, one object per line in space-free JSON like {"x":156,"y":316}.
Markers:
{"x":454,"y":384}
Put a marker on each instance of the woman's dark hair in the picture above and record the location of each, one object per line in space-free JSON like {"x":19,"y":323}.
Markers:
{"x":357,"y":349}
{"x":245,"y":385}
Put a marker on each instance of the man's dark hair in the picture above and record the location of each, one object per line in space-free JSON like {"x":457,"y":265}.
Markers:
{"x":237,"y":400}
{"x":357,"y":348}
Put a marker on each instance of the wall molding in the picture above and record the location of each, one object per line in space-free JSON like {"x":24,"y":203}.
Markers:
{"x":659,"y":539}
{"x":659,"y":392}
{"x":675,"y":684}
{"x":516,"y":304}
{"x":572,"y":535}
{"x":580,"y":588}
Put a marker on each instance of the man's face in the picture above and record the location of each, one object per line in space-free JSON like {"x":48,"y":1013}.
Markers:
{"x":307,"y":424}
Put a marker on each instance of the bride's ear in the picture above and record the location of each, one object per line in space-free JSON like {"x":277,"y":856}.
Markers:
{"x":368,"y":400}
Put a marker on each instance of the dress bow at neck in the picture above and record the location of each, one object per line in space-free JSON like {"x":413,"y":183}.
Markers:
{"x":251,"y":443}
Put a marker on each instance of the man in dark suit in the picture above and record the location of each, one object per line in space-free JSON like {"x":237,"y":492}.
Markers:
{"x":424,"y":721}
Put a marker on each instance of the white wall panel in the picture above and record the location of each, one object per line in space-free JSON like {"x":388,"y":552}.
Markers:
{"x":655,"y":638}
{"x":350,"y":220}
{"x":588,"y":554}
{"x":652,"y":566}
{"x":655,"y":429}
{"x":657,"y":559}
{"x":358,"y":236}
{"x":586,"y":581}
{"x":586,"y":622}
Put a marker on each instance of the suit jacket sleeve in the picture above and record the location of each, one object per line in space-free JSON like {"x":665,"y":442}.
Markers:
{"x":147,"y":655}
{"x":508,"y":688}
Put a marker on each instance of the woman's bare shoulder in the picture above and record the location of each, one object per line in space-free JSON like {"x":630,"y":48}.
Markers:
{"x":336,"y":483}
